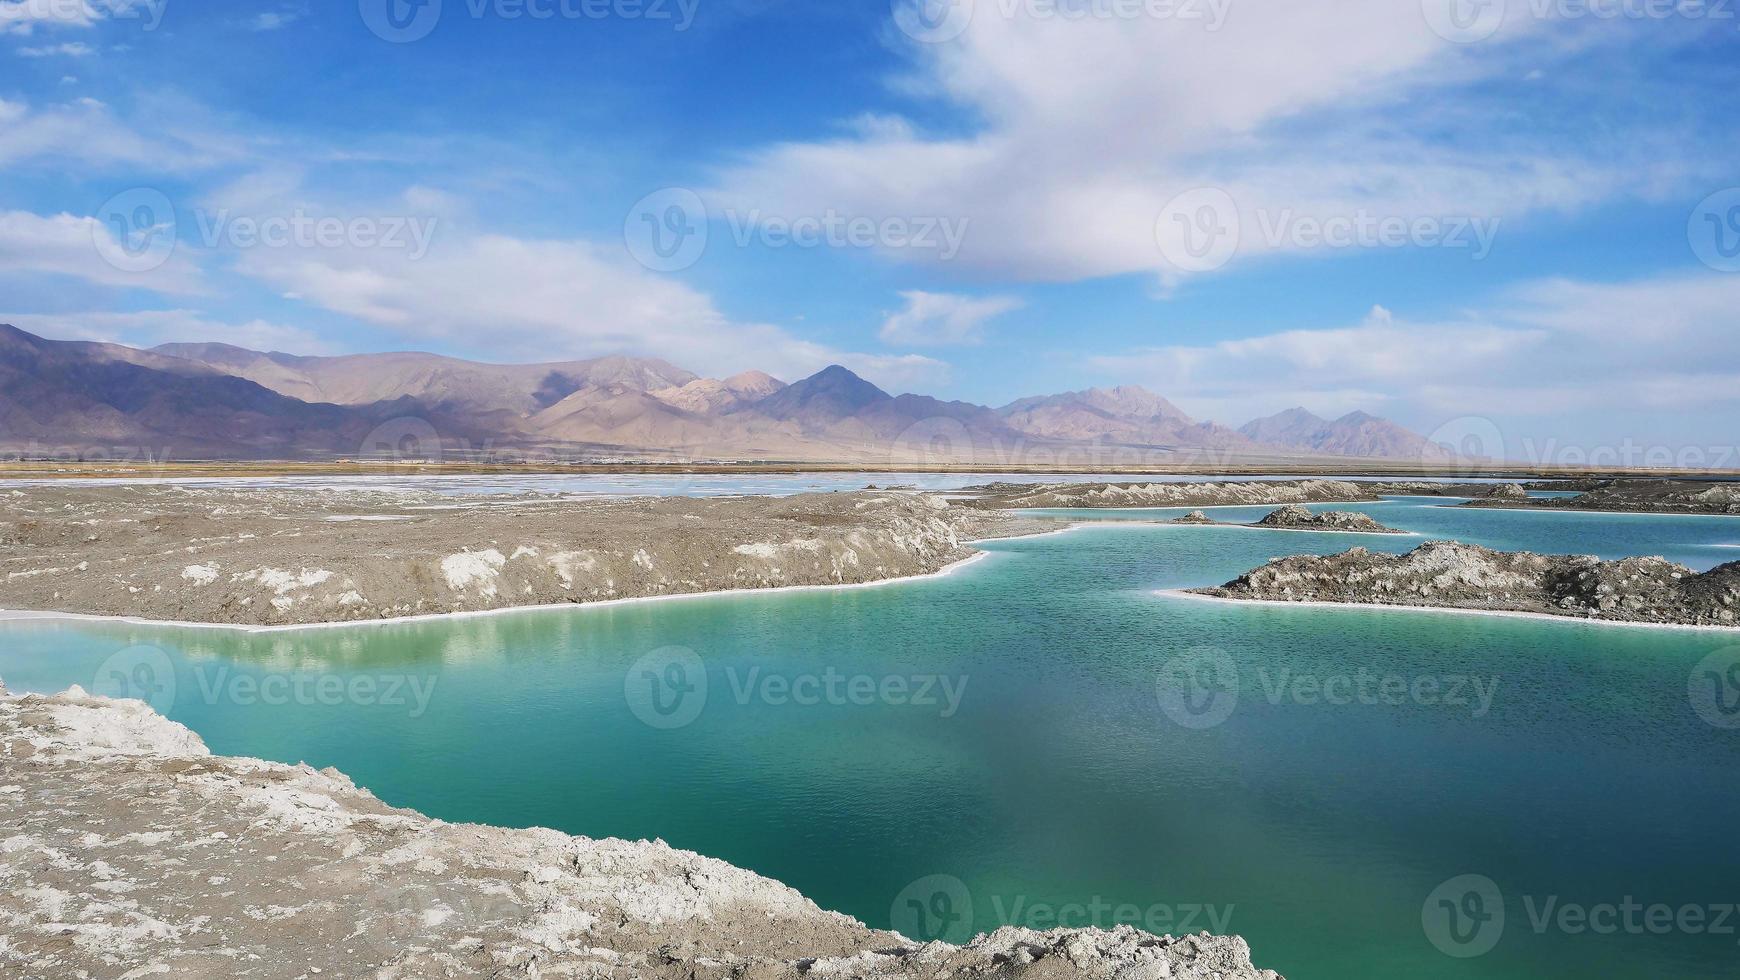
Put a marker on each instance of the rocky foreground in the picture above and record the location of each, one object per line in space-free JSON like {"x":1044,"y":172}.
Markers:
{"x":1451,"y":575}
{"x":127,"y":849}
{"x":280,"y":557}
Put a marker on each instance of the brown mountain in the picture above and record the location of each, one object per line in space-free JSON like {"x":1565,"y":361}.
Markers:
{"x":434,"y":380}
{"x":216,"y":400}
{"x":619,"y":415}
{"x":1126,"y":416}
{"x":1354,"y":434}
{"x":837,"y":405}
{"x":59,"y":397}
{"x":707,"y":396}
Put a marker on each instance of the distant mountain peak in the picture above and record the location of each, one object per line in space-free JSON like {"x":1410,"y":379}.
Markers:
{"x":829,"y":395}
{"x":1357,"y":433}
{"x":753,"y":380}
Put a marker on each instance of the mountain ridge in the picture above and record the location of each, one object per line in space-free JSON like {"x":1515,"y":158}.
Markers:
{"x":1357,"y":433}
{"x":221,"y":400}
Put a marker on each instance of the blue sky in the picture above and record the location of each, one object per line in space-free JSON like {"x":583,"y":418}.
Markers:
{"x":1010,"y":196}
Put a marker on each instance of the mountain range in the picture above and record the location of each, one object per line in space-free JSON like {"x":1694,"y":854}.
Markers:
{"x":215,"y":400}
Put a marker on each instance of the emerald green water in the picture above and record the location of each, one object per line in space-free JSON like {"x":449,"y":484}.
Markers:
{"x":1316,"y":830}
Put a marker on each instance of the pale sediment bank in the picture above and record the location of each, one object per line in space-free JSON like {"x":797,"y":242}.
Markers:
{"x":1449,"y":575}
{"x":274,"y":558}
{"x":25,"y":616}
{"x":129,"y":850}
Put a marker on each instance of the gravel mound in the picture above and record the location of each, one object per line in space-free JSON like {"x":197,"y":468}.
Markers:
{"x":1296,"y":517}
{"x":1449,"y":574}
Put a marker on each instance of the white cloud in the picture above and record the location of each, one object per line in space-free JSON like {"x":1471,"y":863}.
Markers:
{"x":1088,"y":127}
{"x":543,"y":299}
{"x":534,"y":299}
{"x":940,"y":319}
{"x":84,"y":134}
{"x":22,"y":17}
{"x":72,"y":49}
{"x":273,"y":20}
{"x":1548,"y":350}
{"x":85,"y":249}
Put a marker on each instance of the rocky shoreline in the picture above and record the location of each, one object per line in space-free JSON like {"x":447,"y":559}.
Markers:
{"x":278,"y":557}
{"x":1635,"y":496}
{"x":1296,"y":517}
{"x":1013,"y":496}
{"x":1620,"y":496}
{"x":129,"y":850}
{"x":1451,"y":575}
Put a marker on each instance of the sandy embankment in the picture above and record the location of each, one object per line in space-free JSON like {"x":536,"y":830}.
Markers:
{"x":277,"y":557}
{"x":127,"y":849}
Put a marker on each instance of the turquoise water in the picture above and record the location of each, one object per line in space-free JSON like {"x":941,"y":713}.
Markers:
{"x":1015,"y":742}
